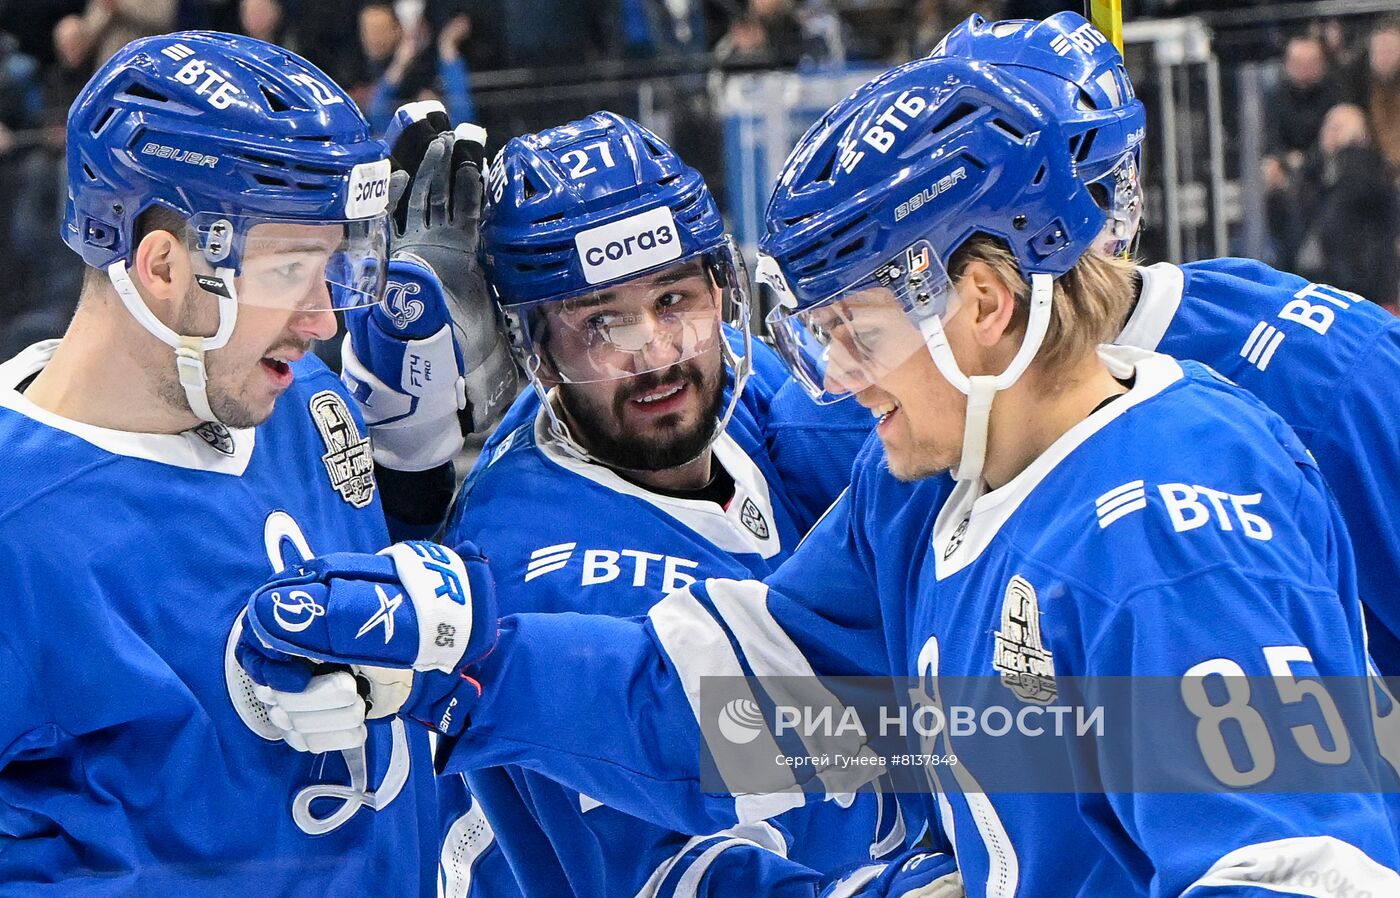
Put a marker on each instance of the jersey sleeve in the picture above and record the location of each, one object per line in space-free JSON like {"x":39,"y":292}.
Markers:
{"x":584,"y":698}
{"x":814,"y":447}
{"x":1258,"y":703}
{"x":1358,"y":451}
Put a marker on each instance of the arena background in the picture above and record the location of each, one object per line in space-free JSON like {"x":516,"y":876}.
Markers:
{"x":1274,"y":131}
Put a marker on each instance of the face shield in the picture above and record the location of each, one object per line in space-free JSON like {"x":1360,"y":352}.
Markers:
{"x":294,"y":266}
{"x":1119,"y":194}
{"x":651,"y":322}
{"x":862,"y":333}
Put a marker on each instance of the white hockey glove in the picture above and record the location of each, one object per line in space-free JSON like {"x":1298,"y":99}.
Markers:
{"x":329,"y":715}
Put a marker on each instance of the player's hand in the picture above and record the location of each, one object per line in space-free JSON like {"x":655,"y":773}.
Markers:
{"x":328,"y":715}
{"x":438,"y":223}
{"x":417,"y":607}
{"x":914,"y":874}
{"x":403,"y":366}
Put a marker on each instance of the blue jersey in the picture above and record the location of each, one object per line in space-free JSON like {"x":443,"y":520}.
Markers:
{"x":1329,"y":363}
{"x":1180,"y":530}
{"x":134,"y":759}
{"x":583,"y":539}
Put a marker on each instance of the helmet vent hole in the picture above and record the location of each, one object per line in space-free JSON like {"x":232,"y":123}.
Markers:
{"x":1086,"y":142}
{"x":89,"y":172}
{"x":274,"y":101}
{"x":854,"y":246}
{"x":1086,"y":101}
{"x":1039,"y":176}
{"x":103,"y":119}
{"x":269,"y":180}
{"x":263,"y":160}
{"x":958,"y":113}
{"x":1009,"y":129}
{"x":668,"y":180}
{"x":528,"y":187}
{"x":141,"y":91}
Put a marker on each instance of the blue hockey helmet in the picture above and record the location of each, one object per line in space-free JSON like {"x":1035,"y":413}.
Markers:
{"x":887,"y":186}
{"x":1095,"y":81}
{"x":584,"y":213}
{"x":248,"y":144}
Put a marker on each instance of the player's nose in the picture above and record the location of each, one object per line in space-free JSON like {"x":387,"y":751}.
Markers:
{"x":314,"y":320}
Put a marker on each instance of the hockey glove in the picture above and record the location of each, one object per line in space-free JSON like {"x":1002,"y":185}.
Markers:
{"x":915,"y":874}
{"x":436,"y":227}
{"x":416,"y":606}
{"x":328,"y":715}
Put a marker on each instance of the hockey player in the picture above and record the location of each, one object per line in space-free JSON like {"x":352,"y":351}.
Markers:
{"x":612,"y":269}
{"x":1324,"y":359}
{"x":177,"y":445}
{"x":1114,"y":513}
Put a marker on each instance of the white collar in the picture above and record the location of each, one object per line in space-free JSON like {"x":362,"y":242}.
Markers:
{"x":745,"y":526}
{"x":182,"y":450}
{"x":956,"y":546}
{"x":1158,"y":300}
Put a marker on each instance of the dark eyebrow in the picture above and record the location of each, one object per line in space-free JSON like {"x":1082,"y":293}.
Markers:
{"x":663,"y":279}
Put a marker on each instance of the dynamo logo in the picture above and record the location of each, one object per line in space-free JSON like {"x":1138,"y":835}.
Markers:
{"x":294,"y":611}
{"x":740,"y":721}
{"x":403,"y":310}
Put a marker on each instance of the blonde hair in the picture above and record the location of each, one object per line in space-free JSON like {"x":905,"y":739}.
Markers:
{"x":1091,"y":300}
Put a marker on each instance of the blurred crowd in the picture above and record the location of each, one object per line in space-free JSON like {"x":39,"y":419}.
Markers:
{"x":1332,"y":158}
{"x":517,"y":65}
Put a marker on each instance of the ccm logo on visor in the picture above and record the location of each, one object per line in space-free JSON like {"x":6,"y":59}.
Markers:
{"x":625,"y":247}
{"x":369,"y":189}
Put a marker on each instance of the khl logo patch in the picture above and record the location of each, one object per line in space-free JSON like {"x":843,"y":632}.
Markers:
{"x":348,"y":460}
{"x":217,"y":436}
{"x":1027,"y":667}
{"x":752,"y":518}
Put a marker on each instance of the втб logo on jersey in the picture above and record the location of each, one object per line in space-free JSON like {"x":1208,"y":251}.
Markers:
{"x":1189,"y":506}
{"x":295,"y":609}
{"x":645,"y":569}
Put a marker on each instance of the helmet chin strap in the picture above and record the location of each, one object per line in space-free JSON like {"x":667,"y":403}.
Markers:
{"x":189,"y":351}
{"x":981,"y":390}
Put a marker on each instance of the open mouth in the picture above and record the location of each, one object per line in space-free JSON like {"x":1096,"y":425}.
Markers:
{"x":279,"y":365}
{"x":883,"y":413}
{"x":663,"y":398}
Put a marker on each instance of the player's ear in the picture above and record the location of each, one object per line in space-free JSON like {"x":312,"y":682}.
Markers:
{"x":161,"y":269}
{"x":992,"y":300}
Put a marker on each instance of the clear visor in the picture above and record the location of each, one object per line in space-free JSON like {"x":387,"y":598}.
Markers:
{"x":656,"y":320}
{"x":1119,"y":194}
{"x":295,"y":266}
{"x":864,"y":332}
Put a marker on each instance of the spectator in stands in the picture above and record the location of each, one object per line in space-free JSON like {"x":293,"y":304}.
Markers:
{"x":404,"y":69}
{"x":264,"y":20}
{"x":1381,"y":92}
{"x":1348,"y":210}
{"x":1300,"y":102}
{"x":109,"y":25}
{"x":768,"y":34}
{"x":935,"y":18}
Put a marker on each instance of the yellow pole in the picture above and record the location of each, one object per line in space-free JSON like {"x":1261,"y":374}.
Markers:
{"x":1107,"y":16}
